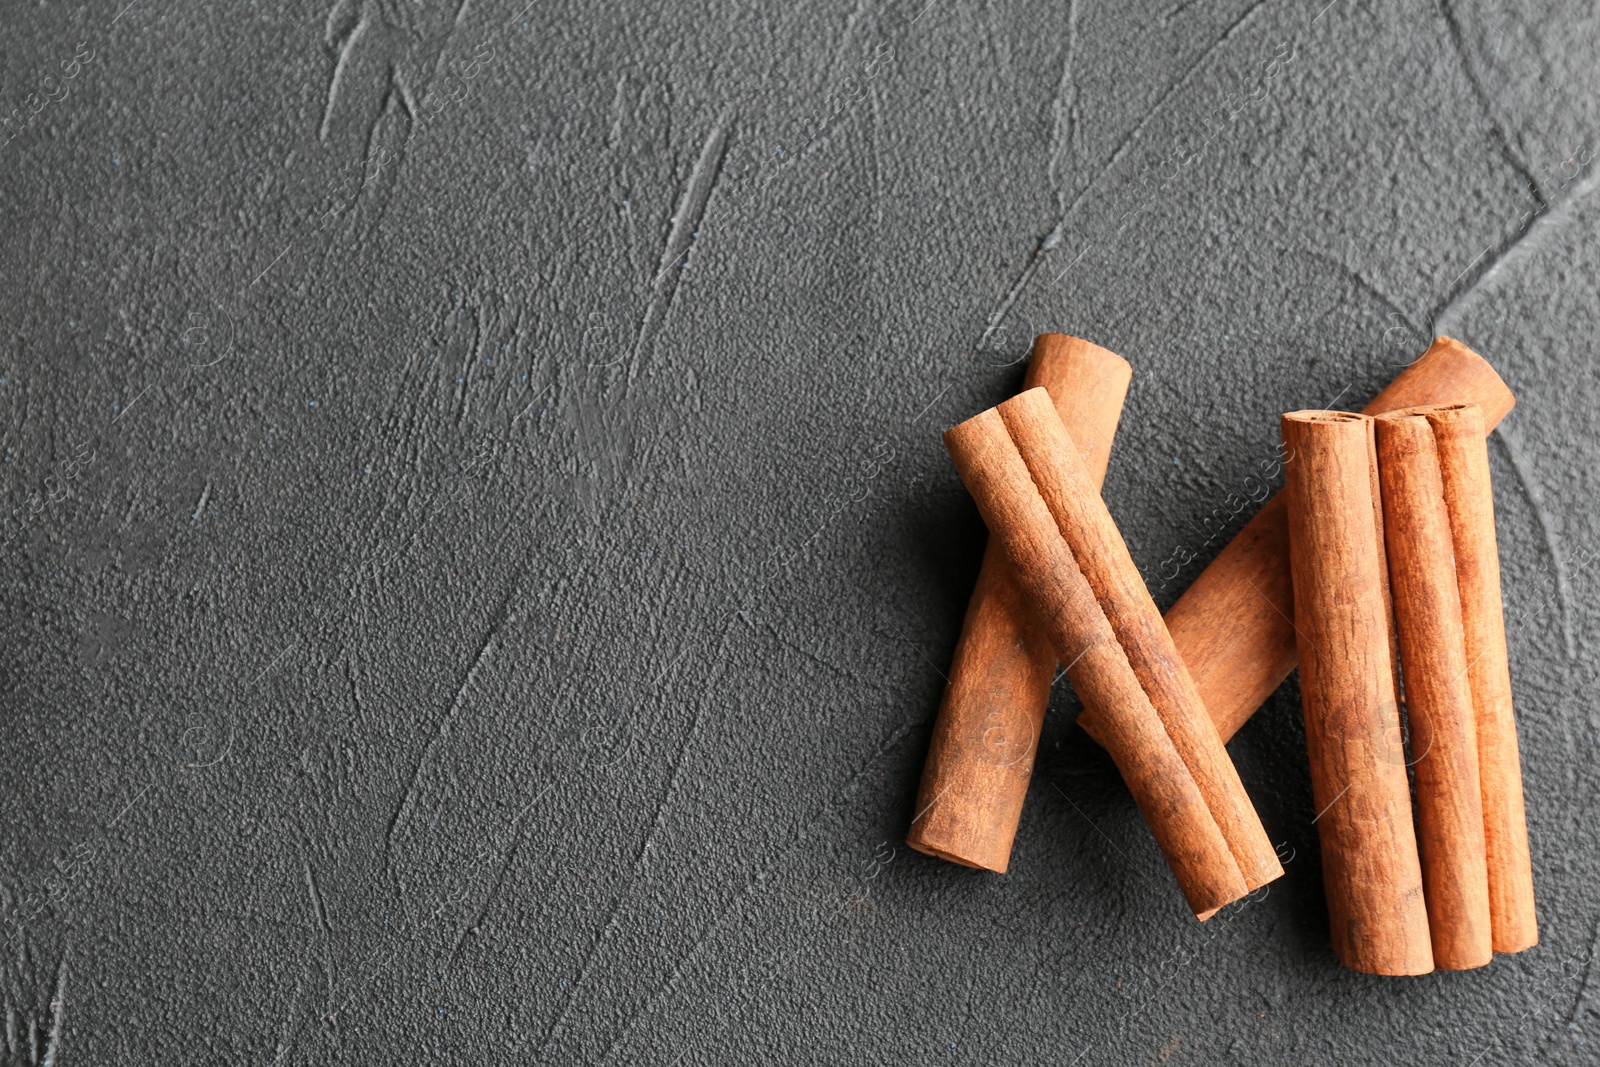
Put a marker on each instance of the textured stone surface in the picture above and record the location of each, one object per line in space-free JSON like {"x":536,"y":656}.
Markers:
{"x":484,"y":558}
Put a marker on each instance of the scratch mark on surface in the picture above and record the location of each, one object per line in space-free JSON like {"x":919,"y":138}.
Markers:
{"x":200,"y":506}
{"x":395,"y":92}
{"x":355,"y":688}
{"x":396,"y":100}
{"x":875,"y":98}
{"x":1534,"y":493}
{"x":283,"y":13}
{"x":1064,"y":110}
{"x":290,"y":1030}
{"x":408,"y":103}
{"x":516,"y":820}
{"x":617,"y":110}
{"x":503,"y":617}
{"x":1365,"y":286}
{"x":900,"y":638}
{"x":1520,"y":241}
{"x":469,"y":363}
{"x":822,"y":661}
{"x":998,"y":42}
{"x":1588,"y":975}
{"x":336,"y":79}
{"x":623,"y":896}
{"x":518,"y":836}
{"x":1047,"y":244}
{"x":671,"y":981}
{"x":439,"y":731}
{"x":659,"y":817}
{"x":1179,"y":9}
{"x":1227,"y":34}
{"x":443,"y":53}
{"x":681,"y":236}
{"x":1054,"y":238}
{"x":552,"y":1033}
{"x":58,"y":1008}
{"x":808,"y":829}
{"x":470,"y":928}
{"x":929,"y":405}
{"x":316,"y":899}
{"x":1496,"y":130}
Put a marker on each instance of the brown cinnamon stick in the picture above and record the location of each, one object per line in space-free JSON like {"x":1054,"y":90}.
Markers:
{"x":1042,"y":506}
{"x":980,"y":758}
{"x":1440,"y":465}
{"x":1342,"y":628}
{"x":1232,"y":625}
{"x":1438,"y":697}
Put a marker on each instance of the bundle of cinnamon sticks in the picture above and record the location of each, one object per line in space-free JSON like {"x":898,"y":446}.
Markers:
{"x":1375,"y":570}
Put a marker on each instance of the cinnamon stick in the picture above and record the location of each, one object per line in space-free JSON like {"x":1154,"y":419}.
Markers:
{"x":1041,"y":505}
{"x":1232,"y":625}
{"x":1464,"y":570}
{"x":980,"y":758}
{"x":1438,"y":697}
{"x":1347,"y":684}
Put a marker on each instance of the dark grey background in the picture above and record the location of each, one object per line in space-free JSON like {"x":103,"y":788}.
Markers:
{"x":483,"y":556}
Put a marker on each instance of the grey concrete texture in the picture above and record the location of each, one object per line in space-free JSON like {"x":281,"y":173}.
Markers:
{"x":480,"y":558}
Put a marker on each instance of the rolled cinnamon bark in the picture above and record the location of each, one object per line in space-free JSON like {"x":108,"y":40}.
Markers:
{"x":1232,"y":625}
{"x":1042,"y":507}
{"x":980,"y":758}
{"x":1342,"y":628}
{"x":1460,"y":449}
{"x":1438,"y":696}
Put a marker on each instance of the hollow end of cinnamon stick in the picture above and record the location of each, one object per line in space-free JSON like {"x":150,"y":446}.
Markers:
{"x":1232,"y":624}
{"x":1343,"y":630}
{"x":1089,"y":601}
{"x":980,"y":757}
